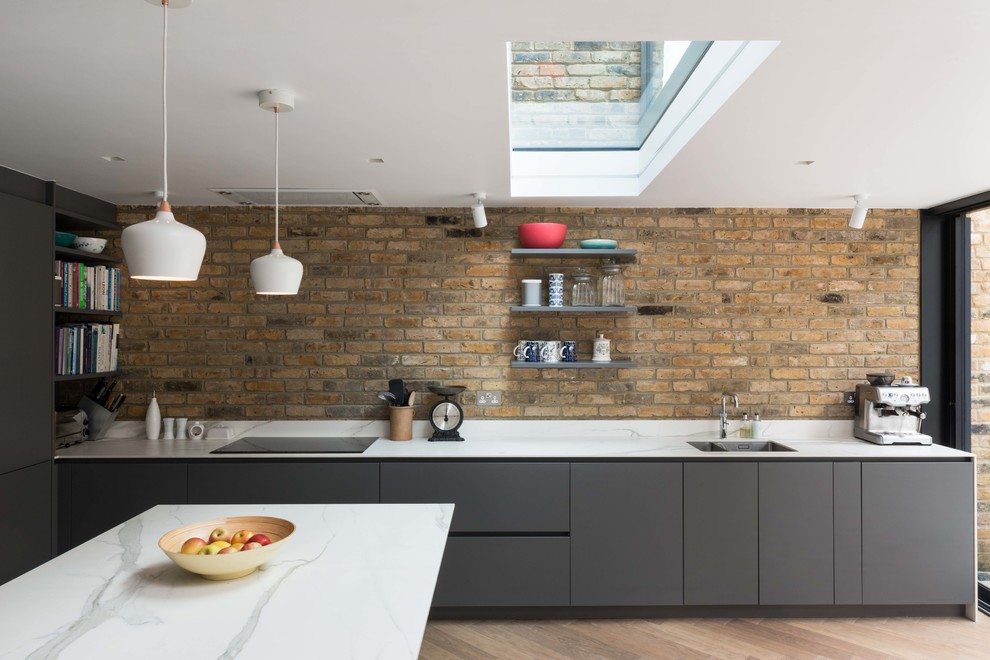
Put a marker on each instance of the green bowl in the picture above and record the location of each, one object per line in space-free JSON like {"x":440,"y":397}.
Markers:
{"x":598,"y":244}
{"x":64,"y":238}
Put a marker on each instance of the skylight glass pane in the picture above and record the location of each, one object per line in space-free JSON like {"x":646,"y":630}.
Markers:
{"x":595,"y":95}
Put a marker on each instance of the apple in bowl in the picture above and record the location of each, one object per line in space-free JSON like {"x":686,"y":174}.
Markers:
{"x":219,"y":558}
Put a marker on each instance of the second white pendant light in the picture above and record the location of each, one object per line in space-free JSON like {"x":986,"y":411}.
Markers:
{"x":276,"y":274}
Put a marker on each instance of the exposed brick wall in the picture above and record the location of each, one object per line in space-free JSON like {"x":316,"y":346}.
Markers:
{"x":554,"y":71}
{"x":787,"y":307}
{"x":980,"y":386}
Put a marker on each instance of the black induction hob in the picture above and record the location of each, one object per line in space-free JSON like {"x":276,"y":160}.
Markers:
{"x":297,"y":445}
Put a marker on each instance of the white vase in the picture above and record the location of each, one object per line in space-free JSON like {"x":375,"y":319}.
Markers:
{"x":153,"y":419}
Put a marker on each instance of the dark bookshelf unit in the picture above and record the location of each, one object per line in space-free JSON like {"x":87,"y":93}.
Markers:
{"x":30,"y":211}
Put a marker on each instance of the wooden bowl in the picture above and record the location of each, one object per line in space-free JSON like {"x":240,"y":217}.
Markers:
{"x":235,"y":564}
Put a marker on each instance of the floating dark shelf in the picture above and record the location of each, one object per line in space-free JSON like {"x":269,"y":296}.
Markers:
{"x":574,"y":252}
{"x":571,"y":309}
{"x":583,"y":364}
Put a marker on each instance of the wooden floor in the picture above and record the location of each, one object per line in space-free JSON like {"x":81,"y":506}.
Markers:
{"x":709,"y":638}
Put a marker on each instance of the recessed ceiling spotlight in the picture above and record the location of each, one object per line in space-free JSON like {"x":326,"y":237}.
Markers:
{"x":376,"y":161}
{"x":805,"y":162}
{"x":112,"y":159}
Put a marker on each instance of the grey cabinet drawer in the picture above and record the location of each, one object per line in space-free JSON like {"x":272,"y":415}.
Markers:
{"x":489,"y":497}
{"x":504,"y":571}
{"x":262,"y":482}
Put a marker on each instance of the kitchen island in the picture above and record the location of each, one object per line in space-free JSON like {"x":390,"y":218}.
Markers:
{"x":352,"y":581}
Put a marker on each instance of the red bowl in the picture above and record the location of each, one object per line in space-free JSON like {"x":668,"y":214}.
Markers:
{"x":543,"y":235}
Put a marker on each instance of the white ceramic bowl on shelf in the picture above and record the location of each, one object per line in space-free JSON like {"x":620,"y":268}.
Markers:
{"x":235,"y":564}
{"x":89,"y":244}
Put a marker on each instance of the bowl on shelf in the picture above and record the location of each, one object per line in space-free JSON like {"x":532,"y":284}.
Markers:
{"x":89,"y":244}
{"x":598,"y":244}
{"x":542,"y":235}
{"x":64,"y":238}
{"x":235,"y":564}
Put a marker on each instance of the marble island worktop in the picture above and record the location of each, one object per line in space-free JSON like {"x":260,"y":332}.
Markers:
{"x":510,"y":439}
{"x":354,"y":581}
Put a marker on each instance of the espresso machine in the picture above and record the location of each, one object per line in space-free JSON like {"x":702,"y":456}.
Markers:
{"x":890,"y":414}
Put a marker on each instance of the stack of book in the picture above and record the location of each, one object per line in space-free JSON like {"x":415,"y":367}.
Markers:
{"x":86,"y":348}
{"x":89,"y":287}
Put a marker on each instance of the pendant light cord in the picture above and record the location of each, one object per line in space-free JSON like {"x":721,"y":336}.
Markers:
{"x":164,"y":102}
{"x":276,"y":178}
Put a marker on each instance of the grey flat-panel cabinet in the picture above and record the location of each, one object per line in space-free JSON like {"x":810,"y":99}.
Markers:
{"x":626,"y":534}
{"x":503,"y":571}
{"x":263,"y":482}
{"x":721,"y":547}
{"x":94,"y":497}
{"x":490,"y":496}
{"x":25,"y":519}
{"x":508,"y":542}
{"x":796,"y":539}
{"x":918,"y":536}
{"x":26,"y":353}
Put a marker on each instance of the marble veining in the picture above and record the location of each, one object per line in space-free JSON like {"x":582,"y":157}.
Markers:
{"x":353,"y":581}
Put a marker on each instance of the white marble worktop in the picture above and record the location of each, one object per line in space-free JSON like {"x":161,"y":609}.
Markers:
{"x":507,"y":439}
{"x":353,"y":581}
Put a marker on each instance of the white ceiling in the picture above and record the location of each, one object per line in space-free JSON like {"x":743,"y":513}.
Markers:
{"x":888,"y":97}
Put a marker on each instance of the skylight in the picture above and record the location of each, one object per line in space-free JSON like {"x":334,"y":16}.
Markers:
{"x":604,"y":118}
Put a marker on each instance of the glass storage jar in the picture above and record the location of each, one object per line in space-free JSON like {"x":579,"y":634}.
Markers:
{"x":612,"y":286}
{"x":583,"y":290}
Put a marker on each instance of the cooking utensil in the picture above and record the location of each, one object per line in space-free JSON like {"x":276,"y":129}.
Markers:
{"x":412,"y":398}
{"x":398,"y":390}
{"x":387,"y":396}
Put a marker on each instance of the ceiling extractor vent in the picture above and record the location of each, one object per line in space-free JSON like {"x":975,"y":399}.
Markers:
{"x":299,"y":197}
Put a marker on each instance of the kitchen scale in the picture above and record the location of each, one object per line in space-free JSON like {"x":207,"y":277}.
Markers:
{"x":446,"y":416}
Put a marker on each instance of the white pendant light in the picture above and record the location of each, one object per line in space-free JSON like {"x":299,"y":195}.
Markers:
{"x":163,"y":248}
{"x":276,"y":274}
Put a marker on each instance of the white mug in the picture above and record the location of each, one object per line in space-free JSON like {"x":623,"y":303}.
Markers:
{"x":521,"y":349}
{"x":550,"y":351}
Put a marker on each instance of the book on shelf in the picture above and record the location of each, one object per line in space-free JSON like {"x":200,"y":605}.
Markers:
{"x":89,"y":287}
{"x":86,"y":348}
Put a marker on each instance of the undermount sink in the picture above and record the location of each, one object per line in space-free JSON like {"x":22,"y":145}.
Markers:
{"x":740,"y":445}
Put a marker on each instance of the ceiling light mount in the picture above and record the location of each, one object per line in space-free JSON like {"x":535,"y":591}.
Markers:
{"x":277,"y":100}
{"x":172,"y":4}
{"x":858,"y":216}
{"x":478,"y":211}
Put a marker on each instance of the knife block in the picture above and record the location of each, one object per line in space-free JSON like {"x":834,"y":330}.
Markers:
{"x":99,"y":417}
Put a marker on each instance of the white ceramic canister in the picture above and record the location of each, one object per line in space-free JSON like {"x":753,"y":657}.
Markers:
{"x":602,"y":350}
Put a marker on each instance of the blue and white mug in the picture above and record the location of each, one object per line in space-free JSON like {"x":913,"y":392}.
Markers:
{"x":532,"y":351}
{"x":568,"y":351}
